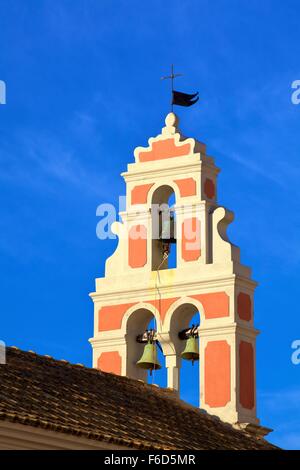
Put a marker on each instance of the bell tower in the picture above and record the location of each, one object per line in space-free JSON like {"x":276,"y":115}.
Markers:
{"x":208,"y":278}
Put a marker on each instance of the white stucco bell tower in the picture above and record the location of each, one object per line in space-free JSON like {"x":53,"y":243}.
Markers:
{"x":208,"y":278}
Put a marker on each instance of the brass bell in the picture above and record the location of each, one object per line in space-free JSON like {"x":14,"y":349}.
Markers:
{"x":191,"y":351}
{"x":168,"y":231}
{"x":149,"y":358}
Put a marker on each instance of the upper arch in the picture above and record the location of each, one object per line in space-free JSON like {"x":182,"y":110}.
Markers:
{"x":178,"y":303}
{"x":160,"y":193}
{"x":144,"y":318}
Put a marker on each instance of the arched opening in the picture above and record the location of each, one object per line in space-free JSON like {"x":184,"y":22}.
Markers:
{"x":138,"y":322}
{"x":184,"y":317}
{"x":163,"y":228}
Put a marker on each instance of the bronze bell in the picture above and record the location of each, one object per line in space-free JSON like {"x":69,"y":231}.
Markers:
{"x":149,"y":358}
{"x":191,"y":351}
{"x":168,"y":231}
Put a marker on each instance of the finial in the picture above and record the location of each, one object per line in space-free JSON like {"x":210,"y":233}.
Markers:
{"x":171,"y":122}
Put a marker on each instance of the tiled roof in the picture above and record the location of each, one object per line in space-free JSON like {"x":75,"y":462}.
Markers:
{"x":59,"y":396}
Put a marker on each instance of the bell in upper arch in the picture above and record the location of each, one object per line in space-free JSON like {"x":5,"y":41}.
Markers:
{"x":167,"y":230}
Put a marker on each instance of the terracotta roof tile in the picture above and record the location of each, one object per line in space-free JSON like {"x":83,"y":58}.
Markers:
{"x":44,"y":392}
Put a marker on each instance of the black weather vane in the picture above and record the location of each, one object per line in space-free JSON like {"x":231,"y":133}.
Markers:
{"x":179,"y":98}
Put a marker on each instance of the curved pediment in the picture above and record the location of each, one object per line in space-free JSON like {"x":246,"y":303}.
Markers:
{"x":169,"y":144}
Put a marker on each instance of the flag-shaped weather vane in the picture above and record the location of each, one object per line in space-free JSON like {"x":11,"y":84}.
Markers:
{"x":179,"y":98}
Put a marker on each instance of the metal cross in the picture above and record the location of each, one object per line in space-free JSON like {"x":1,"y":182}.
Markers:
{"x":172,"y":76}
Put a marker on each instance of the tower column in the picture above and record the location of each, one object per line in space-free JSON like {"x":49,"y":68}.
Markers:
{"x":173,"y":372}
{"x":227,"y":372}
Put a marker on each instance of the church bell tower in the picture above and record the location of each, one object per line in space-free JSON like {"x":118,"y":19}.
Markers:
{"x":140,"y":285}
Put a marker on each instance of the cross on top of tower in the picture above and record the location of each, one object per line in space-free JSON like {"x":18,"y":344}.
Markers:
{"x":171,"y":77}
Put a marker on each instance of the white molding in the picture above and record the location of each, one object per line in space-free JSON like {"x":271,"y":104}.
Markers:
{"x":179,"y":288}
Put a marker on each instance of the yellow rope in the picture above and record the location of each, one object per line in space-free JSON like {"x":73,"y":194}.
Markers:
{"x":165,"y":257}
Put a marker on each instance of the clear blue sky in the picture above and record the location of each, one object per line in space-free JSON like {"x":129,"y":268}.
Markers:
{"x":83,"y":89}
